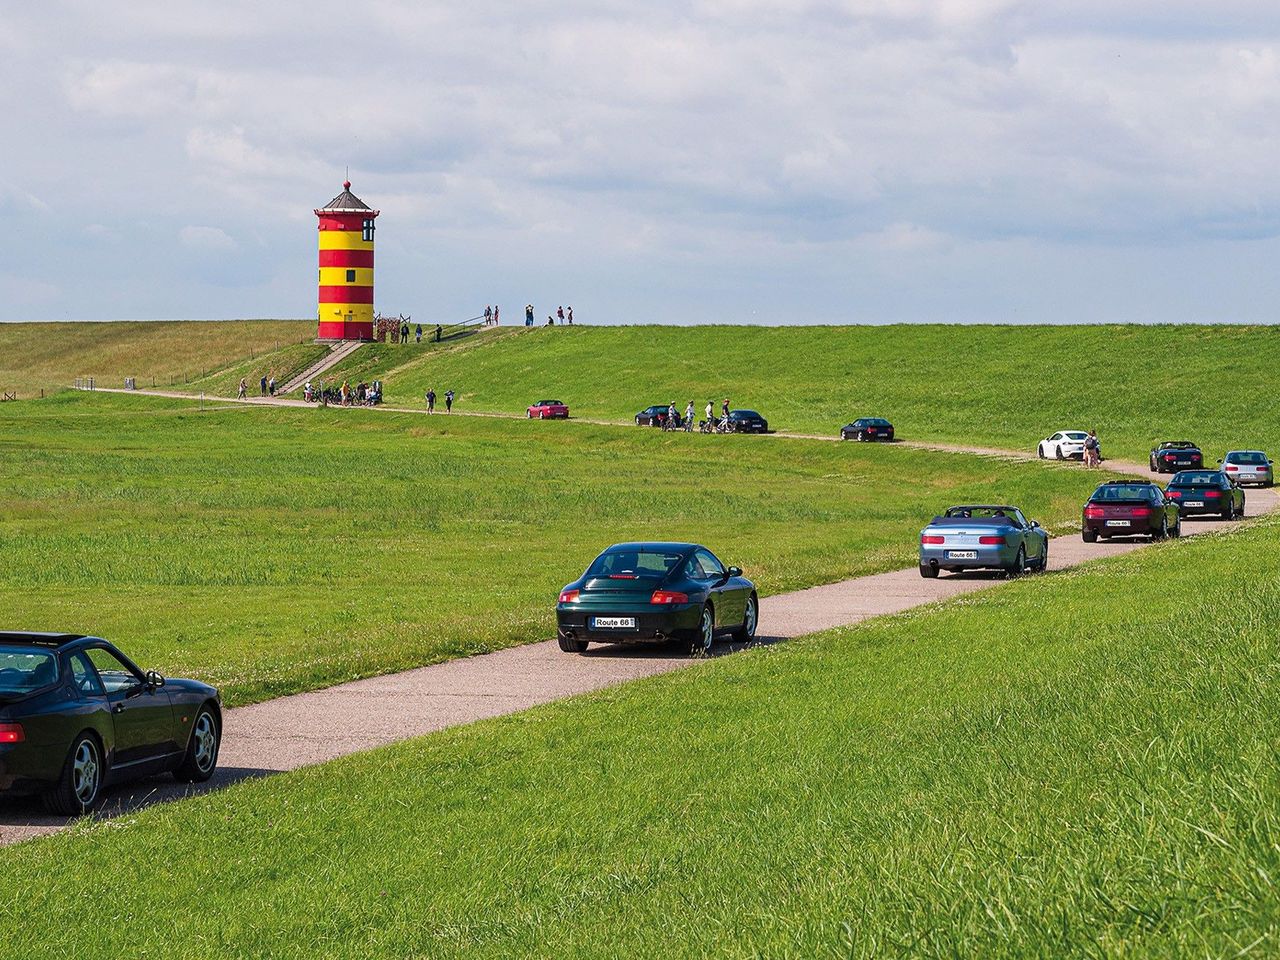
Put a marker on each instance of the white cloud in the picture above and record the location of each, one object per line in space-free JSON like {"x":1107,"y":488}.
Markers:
{"x":206,"y":238}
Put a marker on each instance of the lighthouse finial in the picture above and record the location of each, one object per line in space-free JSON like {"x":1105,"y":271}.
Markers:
{"x":346,"y":184}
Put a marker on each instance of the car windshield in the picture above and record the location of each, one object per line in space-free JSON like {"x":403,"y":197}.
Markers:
{"x":1196,"y":478}
{"x":1247,"y":456}
{"x":744,"y":414}
{"x":1123,"y":491}
{"x":981,"y":513}
{"x":24,"y":669}
{"x":1075,"y":434}
{"x":877,"y":422}
{"x":626,"y":564}
{"x":1178,"y":445}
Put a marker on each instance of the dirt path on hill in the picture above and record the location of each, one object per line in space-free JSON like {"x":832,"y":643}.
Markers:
{"x":310,"y":728}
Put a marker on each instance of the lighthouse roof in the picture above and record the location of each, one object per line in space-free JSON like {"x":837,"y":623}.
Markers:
{"x":344,"y":202}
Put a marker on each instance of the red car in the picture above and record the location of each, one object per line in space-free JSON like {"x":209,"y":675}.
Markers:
{"x":1129,"y":508}
{"x":548,"y":410}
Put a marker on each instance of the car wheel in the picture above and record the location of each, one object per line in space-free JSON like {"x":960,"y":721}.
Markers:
{"x":81,"y":780}
{"x":1040,"y":451}
{"x":1044,"y":559}
{"x":861,"y":436}
{"x":1163,"y":532}
{"x":571,"y":644}
{"x":202,"y":752}
{"x":750,"y":619}
{"x":1060,"y":456}
{"x":702,"y":641}
{"x":1176,"y":530}
{"x":1019,"y":563}
{"x":928,"y":571}
{"x":1089,"y":536}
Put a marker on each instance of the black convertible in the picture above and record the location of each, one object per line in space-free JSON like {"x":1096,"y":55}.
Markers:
{"x":76,"y":714}
{"x":1170,"y":456}
{"x":656,"y":591}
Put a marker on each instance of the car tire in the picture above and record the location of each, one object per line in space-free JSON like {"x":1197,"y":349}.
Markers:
{"x":571,"y":644}
{"x":1163,"y":532}
{"x":1176,"y":530}
{"x":704,"y":638}
{"x":1040,"y":451}
{"x":201,"y":758}
{"x":928,"y":571}
{"x":80,"y":782}
{"x":1060,"y":456}
{"x":1019,"y":564}
{"x":1043,"y":566}
{"x":750,"y":620}
{"x":1089,"y":536}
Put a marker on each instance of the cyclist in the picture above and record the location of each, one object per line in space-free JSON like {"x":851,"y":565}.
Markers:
{"x":724,"y":415}
{"x":688,"y":417}
{"x":673,"y":418}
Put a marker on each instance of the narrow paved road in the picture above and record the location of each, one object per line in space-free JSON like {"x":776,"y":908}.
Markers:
{"x":310,"y":728}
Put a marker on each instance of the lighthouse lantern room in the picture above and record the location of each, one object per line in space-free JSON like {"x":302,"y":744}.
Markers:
{"x":346,"y":267}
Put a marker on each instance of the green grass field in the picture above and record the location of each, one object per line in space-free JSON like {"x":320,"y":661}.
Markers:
{"x":992,"y":385}
{"x":1077,"y":765}
{"x":49,"y":356}
{"x":275,"y":550}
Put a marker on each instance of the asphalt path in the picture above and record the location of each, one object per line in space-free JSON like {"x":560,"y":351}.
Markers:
{"x":320,"y":725}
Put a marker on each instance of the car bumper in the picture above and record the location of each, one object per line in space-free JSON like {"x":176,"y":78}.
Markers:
{"x":678,"y":621}
{"x":1208,"y":507}
{"x":1168,"y":466}
{"x":1260,"y":478}
{"x":28,"y":768}
{"x":987,"y":558}
{"x":1136,"y":528}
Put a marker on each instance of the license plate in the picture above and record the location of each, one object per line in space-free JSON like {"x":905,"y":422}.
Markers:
{"x":962,"y":554}
{"x":1195,"y":503}
{"x":1117,"y":523}
{"x":613,"y":623}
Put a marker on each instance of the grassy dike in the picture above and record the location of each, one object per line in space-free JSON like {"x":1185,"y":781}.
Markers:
{"x":1082,"y":764}
{"x":275,"y":550}
{"x":1004,"y":386}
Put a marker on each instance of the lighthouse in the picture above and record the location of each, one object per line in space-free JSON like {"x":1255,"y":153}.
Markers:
{"x":346,"y":267}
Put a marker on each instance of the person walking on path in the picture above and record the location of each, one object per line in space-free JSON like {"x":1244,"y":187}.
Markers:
{"x":528,"y":314}
{"x":1091,"y":446}
{"x":571,"y":324}
{"x":431,"y":400}
{"x":724,"y":409}
{"x":688,"y":411}
{"x":560,"y":314}
{"x":271,"y":385}
{"x":262,"y":386}
{"x":439,"y":332}
{"x":448,"y":401}
{"x":419,"y":333}
{"x":244,"y":390}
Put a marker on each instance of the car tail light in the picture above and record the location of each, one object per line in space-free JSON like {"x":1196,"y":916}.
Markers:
{"x":1094,"y":513}
{"x":991,"y":541}
{"x":932,"y":538}
{"x":568,"y":596}
{"x":1175,"y":494}
{"x":668,"y":596}
{"x":1231,"y":469}
{"x":1170,"y":456}
{"x":1213,"y":494}
{"x":11,"y":733}
{"x":1140,"y":512}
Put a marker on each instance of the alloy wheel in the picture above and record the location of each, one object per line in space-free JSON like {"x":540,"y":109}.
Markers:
{"x":749,"y":619}
{"x":206,"y":741}
{"x":86,"y":772}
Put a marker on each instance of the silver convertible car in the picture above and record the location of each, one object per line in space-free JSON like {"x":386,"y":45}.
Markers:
{"x":983,"y":537}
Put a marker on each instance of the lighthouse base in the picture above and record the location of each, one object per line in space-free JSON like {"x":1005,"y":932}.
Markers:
{"x":345,"y":330}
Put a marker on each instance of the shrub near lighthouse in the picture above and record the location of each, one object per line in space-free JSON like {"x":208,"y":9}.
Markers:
{"x":346,"y":267}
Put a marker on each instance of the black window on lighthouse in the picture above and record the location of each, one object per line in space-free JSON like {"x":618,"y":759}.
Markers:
{"x":368,"y":231}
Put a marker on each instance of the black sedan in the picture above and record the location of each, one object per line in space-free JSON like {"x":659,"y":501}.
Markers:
{"x":635,"y":592}
{"x":1170,"y":456}
{"x":747,"y":421}
{"x":654,"y":416}
{"x":76,"y":714}
{"x":1207,"y":492}
{"x":867,"y":428}
{"x":1129,"y":508}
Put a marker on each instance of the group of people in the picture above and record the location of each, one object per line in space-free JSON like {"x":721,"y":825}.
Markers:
{"x":1092,"y":450}
{"x":431,"y":400}
{"x":266,"y":387}
{"x":675,"y":422}
{"x":490,"y":316}
{"x":562,"y":314}
{"x":361,"y":395}
{"x":404,"y":333}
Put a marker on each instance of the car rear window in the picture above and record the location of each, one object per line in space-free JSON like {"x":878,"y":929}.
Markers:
{"x":1249,"y":456}
{"x":26,"y":669}
{"x":1196,"y":478}
{"x":1124,"y":491}
{"x":640,"y":563}
{"x":744,"y":413}
{"x":1075,"y":434}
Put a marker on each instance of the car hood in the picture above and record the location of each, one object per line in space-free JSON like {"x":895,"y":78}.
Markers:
{"x":183,"y":685}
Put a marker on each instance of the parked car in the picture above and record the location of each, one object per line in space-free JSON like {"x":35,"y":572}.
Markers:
{"x":1063,"y":445}
{"x":747,"y":421}
{"x":867,"y":428}
{"x":656,"y":591}
{"x":654,"y":416}
{"x":1130,"y":508}
{"x":76,"y":714}
{"x":548,"y":410}
{"x":983,"y":537}
{"x":1249,"y":466}
{"x":1170,"y":456}
{"x":1206,"y":491}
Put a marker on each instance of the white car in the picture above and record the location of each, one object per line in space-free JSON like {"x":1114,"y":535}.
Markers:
{"x":1063,"y":445}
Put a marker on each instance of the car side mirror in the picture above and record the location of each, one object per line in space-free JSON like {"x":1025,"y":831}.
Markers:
{"x":154,"y":680}
{"x":1219,"y":460}
{"x":1035,"y":524}
{"x":735,"y":571}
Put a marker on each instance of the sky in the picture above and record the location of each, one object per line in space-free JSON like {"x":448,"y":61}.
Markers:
{"x":796,"y":161}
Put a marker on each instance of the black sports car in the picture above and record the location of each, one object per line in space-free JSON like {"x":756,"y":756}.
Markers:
{"x":1206,"y":491}
{"x":656,"y":591}
{"x":747,"y":421}
{"x":1129,"y":508}
{"x":654,"y":416}
{"x":867,"y":428}
{"x":1170,"y":456}
{"x":76,"y":714}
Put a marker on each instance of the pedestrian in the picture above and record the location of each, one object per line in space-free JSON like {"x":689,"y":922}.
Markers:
{"x":495,"y":315}
{"x":271,"y":385}
{"x":431,"y":400}
{"x":448,"y":401}
{"x":262,"y":386}
{"x":571,"y":324}
{"x":688,"y":411}
{"x":439,"y":332}
{"x":243,"y":393}
{"x":528,"y":314}
{"x":404,"y":333}
{"x":1091,"y":447}
{"x":560,"y":314}
{"x":724,"y":409}
{"x":419,"y":333}
{"x":488,"y":314}
{"x":711,"y":408}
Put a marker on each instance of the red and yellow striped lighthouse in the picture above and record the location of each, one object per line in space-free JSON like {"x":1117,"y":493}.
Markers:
{"x":346,"y":267}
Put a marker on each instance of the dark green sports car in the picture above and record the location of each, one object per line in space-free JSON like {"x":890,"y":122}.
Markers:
{"x":637,"y":592}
